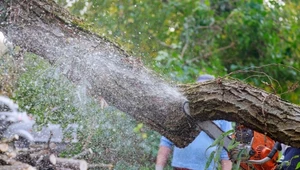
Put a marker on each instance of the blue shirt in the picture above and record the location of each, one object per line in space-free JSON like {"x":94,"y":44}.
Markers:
{"x":196,"y":154}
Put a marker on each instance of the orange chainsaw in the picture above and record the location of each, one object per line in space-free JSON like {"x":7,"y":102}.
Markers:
{"x":256,"y":151}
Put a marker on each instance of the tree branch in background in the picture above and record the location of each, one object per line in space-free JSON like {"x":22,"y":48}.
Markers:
{"x":231,"y":45}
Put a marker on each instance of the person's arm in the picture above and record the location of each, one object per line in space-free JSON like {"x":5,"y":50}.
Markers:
{"x":162,"y":157}
{"x":226,"y":164}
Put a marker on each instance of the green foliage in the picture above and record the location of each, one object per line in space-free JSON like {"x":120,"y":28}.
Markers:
{"x":182,"y":38}
{"x":263,"y":36}
{"x":209,"y":160}
{"x":298,"y":165}
{"x":44,"y":92}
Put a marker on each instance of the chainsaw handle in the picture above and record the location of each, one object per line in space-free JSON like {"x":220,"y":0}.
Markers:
{"x":276,"y":147}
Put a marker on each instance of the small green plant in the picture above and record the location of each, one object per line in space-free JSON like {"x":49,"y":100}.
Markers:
{"x":215,"y":155}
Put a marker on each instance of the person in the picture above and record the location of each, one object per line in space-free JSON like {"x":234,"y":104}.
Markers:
{"x":290,"y":158}
{"x":196,"y":154}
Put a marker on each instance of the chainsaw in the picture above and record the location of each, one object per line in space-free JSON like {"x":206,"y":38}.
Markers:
{"x":254,"y":150}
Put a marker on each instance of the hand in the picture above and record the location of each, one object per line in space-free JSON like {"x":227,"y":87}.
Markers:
{"x":240,"y":152}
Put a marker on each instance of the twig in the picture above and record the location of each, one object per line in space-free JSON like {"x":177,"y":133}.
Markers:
{"x":85,"y":152}
{"x":212,"y":52}
{"x":48,"y":143}
{"x":271,"y":79}
{"x":184,"y":49}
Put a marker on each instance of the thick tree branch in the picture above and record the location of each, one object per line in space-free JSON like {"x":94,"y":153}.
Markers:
{"x":236,"y":101}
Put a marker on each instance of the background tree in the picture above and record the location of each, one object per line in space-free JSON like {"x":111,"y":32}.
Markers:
{"x":186,"y":38}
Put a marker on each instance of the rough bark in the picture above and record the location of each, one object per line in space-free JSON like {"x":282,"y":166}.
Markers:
{"x":42,"y":27}
{"x":239,"y":102}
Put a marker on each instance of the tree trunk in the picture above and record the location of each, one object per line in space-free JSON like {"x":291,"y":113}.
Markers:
{"x":42,"y":27}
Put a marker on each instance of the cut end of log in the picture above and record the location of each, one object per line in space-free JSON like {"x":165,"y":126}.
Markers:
{"x":3,"y":147}
{"x":52,"y":159}
{"x":83,"y":165}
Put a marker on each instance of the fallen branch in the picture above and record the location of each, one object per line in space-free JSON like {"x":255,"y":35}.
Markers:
{"x":37,"y":157}
{"x":74,"y":164}
{"x":85,"y":152}
{"x":13,"y":163}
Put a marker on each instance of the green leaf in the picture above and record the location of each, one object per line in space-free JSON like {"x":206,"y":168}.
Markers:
{"x":208,"y":162}
{"x":298,"y":165}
